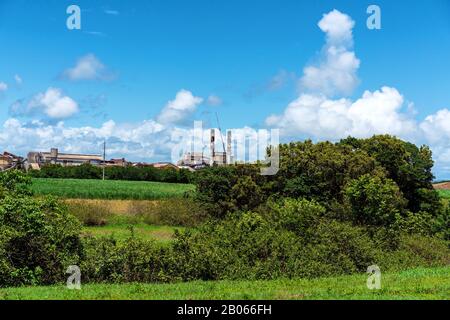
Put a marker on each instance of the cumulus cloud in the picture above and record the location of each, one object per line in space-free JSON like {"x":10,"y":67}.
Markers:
{"x":320,"y":117}
{"x":88,"y":67}
{"x":3,"y":87}
{"x":317,"y":113}
{"x":338,"y":27}
{"x":436,"y":127}
{"x":336,"y":71}
{"x":53,"y":103}
{"x":147,"y":140}
{"x":180,"y":109}
{"x":214,"y":100}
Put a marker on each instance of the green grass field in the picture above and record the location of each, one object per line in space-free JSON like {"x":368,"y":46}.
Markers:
{"x":430,"y":283}
{"x":108,"y":189}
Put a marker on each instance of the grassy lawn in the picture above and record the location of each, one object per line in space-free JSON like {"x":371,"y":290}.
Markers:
{"x":429,"y":283}
{"x":109,"y":189}
{"x":143,"y":231}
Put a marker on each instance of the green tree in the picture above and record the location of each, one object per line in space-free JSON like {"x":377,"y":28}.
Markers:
{"x":374,"y":201}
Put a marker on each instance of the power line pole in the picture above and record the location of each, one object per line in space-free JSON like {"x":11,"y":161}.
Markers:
{"x":104,"y":158}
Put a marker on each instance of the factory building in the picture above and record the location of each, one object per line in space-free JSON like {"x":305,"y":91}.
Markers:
{"x":38,"y":159}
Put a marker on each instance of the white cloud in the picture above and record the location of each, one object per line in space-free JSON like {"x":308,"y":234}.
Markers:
{"x":337,"y":26}
{"x":436,"y":133}
{"x":3,"y":87}
{"x":140,"y":141}
{"x":53,"y":104}
{"x":336,"y":72}
{"x":88,"y":67}
{"x":179,"y":109}
{"x":214,"y":100}
{"x":317,"y":114}
{"x":436,"y":127}
{"x":18,"y":79}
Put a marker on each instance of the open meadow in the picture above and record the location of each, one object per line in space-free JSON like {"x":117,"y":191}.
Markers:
{"x":422,"y":283}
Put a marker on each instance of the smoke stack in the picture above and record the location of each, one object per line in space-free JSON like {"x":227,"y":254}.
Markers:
{"x":213,"y":139}
{"x":229,"y":157}
{"x":54,"y":153}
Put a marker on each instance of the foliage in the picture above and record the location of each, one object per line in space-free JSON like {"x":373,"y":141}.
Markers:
{"x":408,"y":165}
{"x":374,"y":201}
{"x":132,"y":173}
{"x":38,"y":238}
{"x":323,"y":171}
{"x":224,"y":189}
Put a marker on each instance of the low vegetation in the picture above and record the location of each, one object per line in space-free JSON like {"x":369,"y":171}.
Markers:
{"x":431,"y":283}
{"x":123,"y":231}
{"x":108,"y":189}
{"x":173,"y":212}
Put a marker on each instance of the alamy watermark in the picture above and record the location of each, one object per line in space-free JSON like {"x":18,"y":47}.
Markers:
{"x":74,"y":280}
{"x":374,"y":279}
{"x":374,"y":20}
{"x":73,"y":22}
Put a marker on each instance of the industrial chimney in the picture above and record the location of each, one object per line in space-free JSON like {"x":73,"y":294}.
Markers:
{"x":53,"y":155}
{"x":229,"y":157}
{"x":213,"y":153}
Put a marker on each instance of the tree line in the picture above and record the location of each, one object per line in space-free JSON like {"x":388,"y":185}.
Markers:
{"x":88,"y":171}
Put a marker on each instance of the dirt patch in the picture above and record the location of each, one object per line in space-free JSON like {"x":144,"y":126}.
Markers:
{"x":442,"y":186}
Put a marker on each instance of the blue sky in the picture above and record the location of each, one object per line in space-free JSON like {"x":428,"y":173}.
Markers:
{"x":244,"y":60}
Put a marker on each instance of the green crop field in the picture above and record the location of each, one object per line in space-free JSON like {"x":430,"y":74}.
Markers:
{"x":108,"y":189}
{"x":444,"y":194}
{"x":424,"y":283}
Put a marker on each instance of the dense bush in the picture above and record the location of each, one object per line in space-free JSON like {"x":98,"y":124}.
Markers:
{"x":106,"y":260}
{"x":38,"y":239}
{"x":87,"y":171}
{"x":374,"y":201}
{"x":323,"y":171}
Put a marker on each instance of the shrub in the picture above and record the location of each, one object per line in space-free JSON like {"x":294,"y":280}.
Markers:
{"x":374,"y":200}
{"x":133,"y":260}
{"x":38,"y":240}
{"x":416,"y":251}
{"x":299,"y":216}
{"x":442,"y":224}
